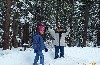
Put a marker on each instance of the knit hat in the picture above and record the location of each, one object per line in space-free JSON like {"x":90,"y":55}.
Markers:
{"x":41,"y":28}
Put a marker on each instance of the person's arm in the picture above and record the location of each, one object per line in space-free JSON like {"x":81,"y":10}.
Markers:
{"x":43,"y":45}
{"x":52,"y":32}
{"x":34,"y":41}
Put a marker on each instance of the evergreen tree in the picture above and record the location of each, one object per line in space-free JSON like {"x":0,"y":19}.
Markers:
{"x":7,"y":25}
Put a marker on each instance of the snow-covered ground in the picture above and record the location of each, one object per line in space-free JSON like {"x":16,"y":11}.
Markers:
{"x":73,"y":56}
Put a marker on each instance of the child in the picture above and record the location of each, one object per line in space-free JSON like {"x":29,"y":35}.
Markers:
{"x":38,"y":45}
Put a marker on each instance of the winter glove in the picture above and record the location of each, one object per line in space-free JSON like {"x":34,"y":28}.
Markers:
{"x":46,"y":50}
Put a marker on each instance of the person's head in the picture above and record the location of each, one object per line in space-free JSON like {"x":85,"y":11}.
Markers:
{"x":59,"y":29}
{"x":41,"y":29}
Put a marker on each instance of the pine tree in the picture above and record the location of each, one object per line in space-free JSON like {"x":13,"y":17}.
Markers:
{"x":15,"y":26}
{"x":7,"y":26}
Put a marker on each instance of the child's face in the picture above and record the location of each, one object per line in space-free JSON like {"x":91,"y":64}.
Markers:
{"x":42,"y":32}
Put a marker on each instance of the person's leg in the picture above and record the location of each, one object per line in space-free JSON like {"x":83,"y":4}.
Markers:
{"x":41,"y":58}
{"x":36,"y":59}
{"x":61,"y":51}
{"x":56,"y":52}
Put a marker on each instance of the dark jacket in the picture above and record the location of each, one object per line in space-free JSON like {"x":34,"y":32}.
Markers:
{"x":38,"y":42}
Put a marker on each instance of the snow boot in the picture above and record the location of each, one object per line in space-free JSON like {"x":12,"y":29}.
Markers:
{"x":61,"y":57}
{"x":56,"y":57}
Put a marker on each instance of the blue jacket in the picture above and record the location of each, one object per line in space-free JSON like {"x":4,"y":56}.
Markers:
{"x":38,"y":42}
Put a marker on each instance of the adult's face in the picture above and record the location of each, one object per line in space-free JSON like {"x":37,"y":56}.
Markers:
{"x":59,"y":29}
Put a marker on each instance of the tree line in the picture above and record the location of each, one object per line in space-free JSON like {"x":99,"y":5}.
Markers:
{"x":19,"y":19}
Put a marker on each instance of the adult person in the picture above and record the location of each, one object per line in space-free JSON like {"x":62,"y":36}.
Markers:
{"x":59,"y":42}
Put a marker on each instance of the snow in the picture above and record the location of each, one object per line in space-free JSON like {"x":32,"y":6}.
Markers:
{"x":18,"y":39}
{"x":23,"y":8}
{"x":30,"y":15}
{"x":1,"y":30}
{"x":20,"y":0}
{"x":22,"y":20}
{"x":73,"y":56}
{"x":0,"y":12}
{"x":78,"y":3}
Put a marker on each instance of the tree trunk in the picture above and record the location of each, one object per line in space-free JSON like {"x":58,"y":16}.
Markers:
{"x":15,"y":43}
{"x":86,"y":16}
{"x":26,"y":33}
{"x":57,"y":13}
{"x":98,"y":27}
{"x":7,"y":26}
{"x":15,"y":31}
{"x":70,"y":22}
{"x":98,"y":36}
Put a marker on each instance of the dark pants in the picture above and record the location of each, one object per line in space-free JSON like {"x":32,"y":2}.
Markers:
{"x":57,"y":51}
